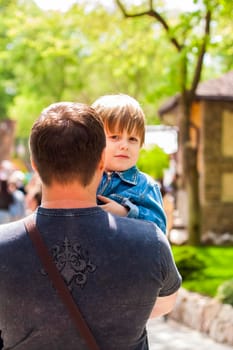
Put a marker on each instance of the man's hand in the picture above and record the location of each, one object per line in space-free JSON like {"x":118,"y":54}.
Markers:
{"x":112,"y":206}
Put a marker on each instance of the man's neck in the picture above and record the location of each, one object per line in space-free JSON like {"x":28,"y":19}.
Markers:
{"x":65,"y":197}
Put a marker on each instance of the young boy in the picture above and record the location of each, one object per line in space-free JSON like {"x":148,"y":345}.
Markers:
{"x":124,"y":190}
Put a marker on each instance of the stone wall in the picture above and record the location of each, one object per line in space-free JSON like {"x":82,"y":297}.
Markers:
{"x":217,"y":163}
{"x":204,"y":314}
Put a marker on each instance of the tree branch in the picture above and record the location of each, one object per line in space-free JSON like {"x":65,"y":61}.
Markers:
{"x":198,"y":69}
{"x":152,"y":13}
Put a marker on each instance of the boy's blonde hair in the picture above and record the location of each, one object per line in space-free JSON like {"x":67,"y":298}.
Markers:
{"x":121,"y":112}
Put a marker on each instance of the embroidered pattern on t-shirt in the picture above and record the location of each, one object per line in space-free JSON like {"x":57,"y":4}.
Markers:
{"x":73,"y":263}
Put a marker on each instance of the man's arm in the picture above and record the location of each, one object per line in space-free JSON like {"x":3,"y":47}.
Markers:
{"x":163,"y":305}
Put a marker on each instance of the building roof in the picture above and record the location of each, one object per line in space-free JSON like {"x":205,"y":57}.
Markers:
{"x":220,"y":89}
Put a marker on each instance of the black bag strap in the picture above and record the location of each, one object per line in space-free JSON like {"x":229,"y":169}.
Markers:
{"x":59,"y":283}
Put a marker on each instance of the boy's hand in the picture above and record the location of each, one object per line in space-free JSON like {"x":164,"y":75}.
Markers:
{"x":112,"y":206}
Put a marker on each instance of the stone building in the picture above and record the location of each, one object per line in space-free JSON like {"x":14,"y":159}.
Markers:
{"x":212,"y":130}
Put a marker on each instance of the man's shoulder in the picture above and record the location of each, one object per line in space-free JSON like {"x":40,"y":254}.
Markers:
{"x":139,"y":226}
{"x":11,"y":231}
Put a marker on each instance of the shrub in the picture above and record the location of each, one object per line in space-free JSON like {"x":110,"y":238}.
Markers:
{"x":153,"y":161}
{"x":225,"y":292}
{"x":189,"y":263}
{"x":218,"y":268}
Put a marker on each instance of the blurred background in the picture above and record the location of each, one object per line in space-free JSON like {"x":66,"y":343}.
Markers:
{"x":176,"y":59}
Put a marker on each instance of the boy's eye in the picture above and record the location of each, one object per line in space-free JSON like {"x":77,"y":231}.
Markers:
{"x":134,"y":139}
{"x":114,"y":137}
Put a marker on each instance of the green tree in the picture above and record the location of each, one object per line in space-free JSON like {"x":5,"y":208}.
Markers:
{"x":6,"y":75}
{"x":125,"y":60}
{"x":78,"y":55}
{"x":153,"y":161}
{"x":46,"y":54}
{"x":82,"y":54}
{"x":190,"y":35}
{"x":7,"y":127}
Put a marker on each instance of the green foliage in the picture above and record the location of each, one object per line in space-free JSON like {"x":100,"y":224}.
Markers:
{"x":153,"y":161}
{"x":6,"y":74}
{"x":80,"y":55}
{"x":25,"y":110}
{"x":189,"y":263}
{"x":217,"y":270}
{"x":225,"y":292}
{"x":90,"y":50}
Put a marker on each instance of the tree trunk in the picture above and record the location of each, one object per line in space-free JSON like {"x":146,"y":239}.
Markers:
{"x":192,"y":187}
{"x":7,"y":132}
{"x":190,"y":171}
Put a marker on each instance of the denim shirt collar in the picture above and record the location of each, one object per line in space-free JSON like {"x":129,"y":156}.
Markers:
{"x":129,"y":176}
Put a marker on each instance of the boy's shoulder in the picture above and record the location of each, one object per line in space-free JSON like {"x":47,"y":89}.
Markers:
{"x":135,"y":174}
{"x":148,"y":179}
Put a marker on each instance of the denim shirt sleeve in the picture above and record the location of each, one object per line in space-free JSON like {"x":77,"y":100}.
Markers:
{"x":153,"y":206}
{"x":148,"y":206}
{"x":133,"y":210}
{"x":140,"y":194}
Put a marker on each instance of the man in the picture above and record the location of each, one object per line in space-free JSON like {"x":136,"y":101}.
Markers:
{"x":116,"y":268}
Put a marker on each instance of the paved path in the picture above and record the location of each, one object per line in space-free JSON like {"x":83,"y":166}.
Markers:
{"x":173,"y":336}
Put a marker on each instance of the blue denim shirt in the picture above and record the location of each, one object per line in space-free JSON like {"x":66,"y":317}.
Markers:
{"x":138,"y":192}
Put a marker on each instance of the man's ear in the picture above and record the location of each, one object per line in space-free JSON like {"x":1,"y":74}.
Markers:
{"x":33,"y":164}
{"x":102,"y":161}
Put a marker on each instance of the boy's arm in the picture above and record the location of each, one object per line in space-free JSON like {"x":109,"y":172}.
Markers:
{"x":150,"y":209}
{"x":148,"y":205}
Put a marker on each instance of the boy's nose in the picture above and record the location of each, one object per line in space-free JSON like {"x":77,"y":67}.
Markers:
{"x":124,"y":144}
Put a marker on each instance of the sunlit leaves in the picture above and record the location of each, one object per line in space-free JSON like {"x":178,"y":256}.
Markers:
{"x":153,"y":161}
{"x":89,"y":51}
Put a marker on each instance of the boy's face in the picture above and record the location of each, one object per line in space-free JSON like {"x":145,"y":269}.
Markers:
{"x":122,"y":150}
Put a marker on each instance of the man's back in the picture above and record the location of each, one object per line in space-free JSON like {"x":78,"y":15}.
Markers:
{"x":115,"y":267}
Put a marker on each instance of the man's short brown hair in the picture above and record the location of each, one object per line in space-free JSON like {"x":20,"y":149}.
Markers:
{"x":66,"y":143}
{"x":121,"y":112}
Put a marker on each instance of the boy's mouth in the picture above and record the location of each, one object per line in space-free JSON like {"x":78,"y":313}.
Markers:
{"x":122,"y":156}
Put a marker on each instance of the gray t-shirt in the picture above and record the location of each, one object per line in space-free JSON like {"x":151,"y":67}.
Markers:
{"x":114,"y":267}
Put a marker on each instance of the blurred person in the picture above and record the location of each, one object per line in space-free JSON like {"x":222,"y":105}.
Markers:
{"x":17,"y":208}
{"x":6,"y":169}
{"x":120,"y":271}
{"x":6,"y":199}
{"x":19,"y":178}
